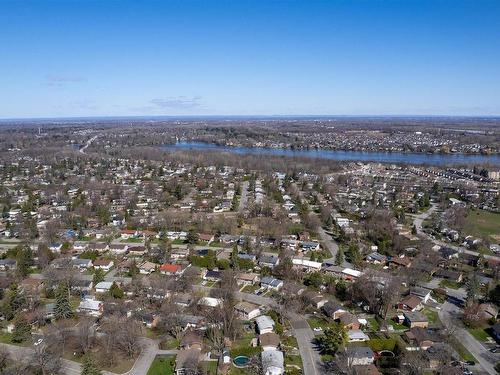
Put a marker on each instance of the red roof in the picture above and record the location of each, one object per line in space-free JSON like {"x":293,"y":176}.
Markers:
{"x":171,"y":268}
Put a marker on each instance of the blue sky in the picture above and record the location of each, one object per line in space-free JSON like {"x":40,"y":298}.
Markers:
{"x":237,"y":57}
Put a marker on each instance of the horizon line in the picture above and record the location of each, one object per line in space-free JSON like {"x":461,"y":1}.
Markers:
{"x":267,"y":116}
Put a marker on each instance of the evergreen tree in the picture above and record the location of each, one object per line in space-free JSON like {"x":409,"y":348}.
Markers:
{"x":115,"y":291}
{"x":192,"y":237}
{"x":21,"y":331}
{"x":339,"y":259}
{"x":62,"y":309}
{"x":89,"y":367}
{"x":333,"y":339}
{"x":98,"y":276}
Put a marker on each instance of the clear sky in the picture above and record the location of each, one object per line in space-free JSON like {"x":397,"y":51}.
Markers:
{"x":238,"y":57}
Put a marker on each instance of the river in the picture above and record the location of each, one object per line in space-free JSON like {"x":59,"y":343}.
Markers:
{"x":366,"y":156}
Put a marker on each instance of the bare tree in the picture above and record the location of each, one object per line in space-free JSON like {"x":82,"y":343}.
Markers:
{"x":85,"y":335}
{"x":45,"y":360}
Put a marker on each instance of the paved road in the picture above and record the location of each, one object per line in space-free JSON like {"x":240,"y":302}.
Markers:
{"x":244,"y":196}
{"x":332,"y":246}
{"x":311,"y":358}
{"x":419,"y":219}
{"x":87,"y":144}
{"x":450,"y":316}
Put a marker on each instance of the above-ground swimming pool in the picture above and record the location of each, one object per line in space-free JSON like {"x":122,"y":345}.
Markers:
{"x":241,"y":361}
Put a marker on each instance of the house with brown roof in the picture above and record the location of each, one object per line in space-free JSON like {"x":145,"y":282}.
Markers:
{"x":410,"y":303}
{"x":420,"y":338}
{"x":350,"y":321}
{"x":269,"y":341}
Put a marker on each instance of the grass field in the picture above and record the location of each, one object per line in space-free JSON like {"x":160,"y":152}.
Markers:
{"x":481,"y":223}
{"x":162,"y":366}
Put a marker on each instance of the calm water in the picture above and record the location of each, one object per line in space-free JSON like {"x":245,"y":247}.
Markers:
{"x":381,"y":157}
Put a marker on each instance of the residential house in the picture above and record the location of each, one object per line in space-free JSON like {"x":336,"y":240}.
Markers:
{"x":103,"y":264}
{"x":147,"y":268}
{"x":270,"y":261}
{"x":334,"y":310}
{"x":118,"y":249}
{"x":357,"y":335}
{"x":91,"y":307}
{"x":306,"y":265}
{"x":246,"y":310}
{"x":81,"y":264}
{"x":269,"y":341}
{"x":271,"y":283}
{"x":448,"y":253}
{"x":272,"y":362}
{"x":420,"y":338}
{"x":423,"y":293}
{"x":170,"y":269}
{"x":103,"y":286}
{"x":360,"y":355}
{"x":415,"y":319}
{"x":212,"y":275}
{"x":410,"y":303}
{"x":247,"y":278}
{"x":137,"y":250}
{"x":187,"y":361}
{"x":448,"y":274}
{"x":376,"y":258}
{"x":349,"y":321}
{"x":400,"y":262}
{"x":265,"y":324}
{"x":8,"y":264}
{"x":191,"y":340}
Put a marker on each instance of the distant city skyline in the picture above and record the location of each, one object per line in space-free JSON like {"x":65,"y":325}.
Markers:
{"x":263,"y":58}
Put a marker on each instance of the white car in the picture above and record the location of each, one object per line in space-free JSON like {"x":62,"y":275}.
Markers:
{"x":318,"y":329}
{"x":38,"y":342}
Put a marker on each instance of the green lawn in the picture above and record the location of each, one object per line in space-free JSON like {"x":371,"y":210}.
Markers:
{"x":431,"y":315}
{"x":289,"y":341}
{"x":132,"y":240}
{"x":481,"y":223}
{"x":162,"y":366}
{"x":479,"y":334}
{"x":373,"y":323}
{"x":210,"y":367}
{"x":250,"y":288}
{"x":294,"y":360}
{"x":316,"y":322}
{"x":398,"y":327}
{"x":243,"y":347}
{"x":450,"y":284}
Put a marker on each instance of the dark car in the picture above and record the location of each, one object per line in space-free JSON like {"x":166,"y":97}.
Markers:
{"x":470,"y":363}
